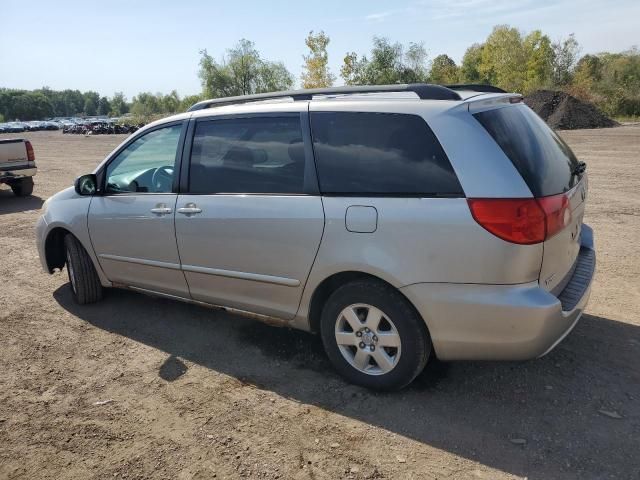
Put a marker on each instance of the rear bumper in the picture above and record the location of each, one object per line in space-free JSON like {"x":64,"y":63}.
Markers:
{"x":503,"y":322}
{"x":15,"y":172}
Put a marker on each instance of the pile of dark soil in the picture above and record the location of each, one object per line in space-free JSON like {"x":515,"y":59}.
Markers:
{"x":563,"y":112}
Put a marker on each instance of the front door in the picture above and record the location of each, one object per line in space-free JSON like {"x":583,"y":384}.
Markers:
{"x":248,"y":228}
{"x":132,"y":223}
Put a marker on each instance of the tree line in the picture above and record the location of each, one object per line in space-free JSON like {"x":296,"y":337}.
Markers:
{"x":46,"y":103}
{"x":508,"y":58}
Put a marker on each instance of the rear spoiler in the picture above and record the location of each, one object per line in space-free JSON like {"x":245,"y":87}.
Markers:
{"x":475,"y":87}
{"x":492,"y":100}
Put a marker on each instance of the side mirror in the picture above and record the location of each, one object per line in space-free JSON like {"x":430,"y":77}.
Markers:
{"x":86,"y":184}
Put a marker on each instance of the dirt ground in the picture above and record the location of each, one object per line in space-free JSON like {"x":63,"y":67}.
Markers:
{"x":136,"y":387}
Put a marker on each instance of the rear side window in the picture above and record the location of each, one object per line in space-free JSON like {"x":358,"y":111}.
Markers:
{"x":378,"y":154}
{"x":248,"y":155}
{"x":543,"y":159}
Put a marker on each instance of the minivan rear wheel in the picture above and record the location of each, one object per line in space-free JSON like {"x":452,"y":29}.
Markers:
{"x":373,"y":335}
{"x":83,"y":277}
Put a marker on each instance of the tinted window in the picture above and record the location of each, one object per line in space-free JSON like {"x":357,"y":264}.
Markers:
{"x":538,"y":153}
{"x":248,"y":155}
{"x":147,"y":164}
{"x":380,"y":153}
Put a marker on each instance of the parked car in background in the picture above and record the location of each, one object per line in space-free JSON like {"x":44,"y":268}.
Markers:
{"x":17,"y":165}
{"x":13,"y":127}
{"x":49,"y":125}
{"x":400,"y":222}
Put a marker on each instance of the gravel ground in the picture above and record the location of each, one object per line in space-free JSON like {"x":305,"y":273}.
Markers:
{"x":136,"y":387}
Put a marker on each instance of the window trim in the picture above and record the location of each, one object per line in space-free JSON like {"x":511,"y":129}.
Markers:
{"x":310,"y":186}
{"x":460,"y":194}
{"x":102,"y":173}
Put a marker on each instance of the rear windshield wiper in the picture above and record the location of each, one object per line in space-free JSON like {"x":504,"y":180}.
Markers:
{"x":579,"y":169}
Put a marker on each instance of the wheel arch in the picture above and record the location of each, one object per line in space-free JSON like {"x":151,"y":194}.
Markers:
{"x":54,"y":249}
{"x":330,"y":284}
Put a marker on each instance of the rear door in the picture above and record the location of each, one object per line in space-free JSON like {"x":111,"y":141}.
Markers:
{"x":132,"y":223}
{"x":550,"y":169}
{"x":250,"y":221}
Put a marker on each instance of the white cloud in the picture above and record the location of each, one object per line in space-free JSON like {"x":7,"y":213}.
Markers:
{"x":381,"y":16}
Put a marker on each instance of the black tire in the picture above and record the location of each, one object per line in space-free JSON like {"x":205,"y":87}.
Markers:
{"x":84,"y":280}
{"x":413,"y":333}
{"x":22,"y":187}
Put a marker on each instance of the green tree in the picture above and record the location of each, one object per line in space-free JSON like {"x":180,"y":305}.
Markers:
{"x":443,"y":70}
{"x":104,"y":107}
{"x":146,"y":104}
{"x":539,"y":55}
{"x":470,"y":67}
{"x":119,"y":104}
{"x":611,"y":80}
{"x":316,"y":73}
{"x":241,"y":72}
{"x":353,"y":69}
{"x":565,"y":57}
{"x":170,"y":103}
{"x":189,"y":100}
{"x":90,"y":108}
{"x":503,"y":61}
{"x":388,"y":63}
{"x":72,"y":103}
{"x":30,"y":106}
{"x":415,"y":64}
{"x":91,"y":100}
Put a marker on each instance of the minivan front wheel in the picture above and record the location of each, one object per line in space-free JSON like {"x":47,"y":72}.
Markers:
{"x":83,"y":277}
{"x":373,"y":336}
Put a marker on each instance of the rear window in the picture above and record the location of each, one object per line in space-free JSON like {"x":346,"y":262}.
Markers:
{"x":543,"y":159}
{"x":380,"y":154}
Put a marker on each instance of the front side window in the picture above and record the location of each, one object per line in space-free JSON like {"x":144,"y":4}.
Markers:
{"x":380,"y":154}
{"x":248,"y":155}
{"x":147,"y":165}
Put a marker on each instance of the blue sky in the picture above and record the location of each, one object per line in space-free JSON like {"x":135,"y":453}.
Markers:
{"x":133,"y":46}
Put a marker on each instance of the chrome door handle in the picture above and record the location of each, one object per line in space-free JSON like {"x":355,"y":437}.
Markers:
{"x":189,"y":209}
{"x":161,"y":209}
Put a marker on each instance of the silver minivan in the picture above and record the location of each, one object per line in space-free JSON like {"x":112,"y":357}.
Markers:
{"x":399,"y":222}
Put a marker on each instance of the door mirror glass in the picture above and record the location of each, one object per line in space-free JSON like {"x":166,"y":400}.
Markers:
{"x":86,"y":184}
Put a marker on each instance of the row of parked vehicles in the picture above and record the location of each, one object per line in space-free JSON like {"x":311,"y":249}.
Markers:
{"x":93,"y":126}
{"x":17,"y":127}
{"x":96,"y":127}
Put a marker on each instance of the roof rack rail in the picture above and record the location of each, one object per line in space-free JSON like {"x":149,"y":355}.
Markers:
{"x":424,"y":91}
{"x":475,"y":87}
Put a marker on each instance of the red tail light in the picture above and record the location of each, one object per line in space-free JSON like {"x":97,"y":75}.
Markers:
{"x":30,"y":155}
{"x":522,"y":220}
{"x":558,"y":212}
{"x":516,"y":220}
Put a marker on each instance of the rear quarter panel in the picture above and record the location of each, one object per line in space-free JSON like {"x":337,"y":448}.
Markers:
{"x":418,"y":240}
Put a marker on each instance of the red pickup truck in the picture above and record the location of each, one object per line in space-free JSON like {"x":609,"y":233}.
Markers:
{"x":17,"y":165}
